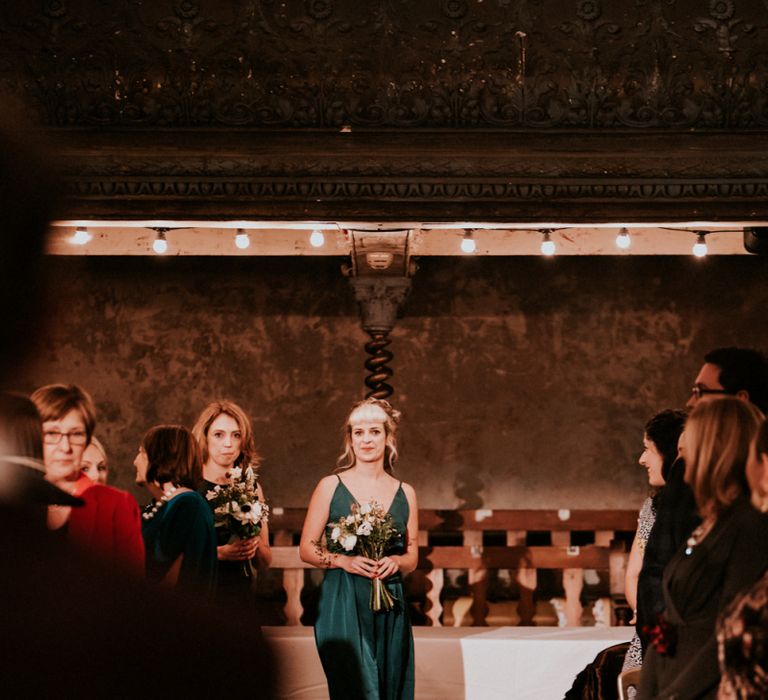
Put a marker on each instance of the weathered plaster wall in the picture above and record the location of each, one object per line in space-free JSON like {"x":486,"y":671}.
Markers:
{"x":524,"y":382}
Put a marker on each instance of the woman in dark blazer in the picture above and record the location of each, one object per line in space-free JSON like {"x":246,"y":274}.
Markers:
{"x":725,"y":554}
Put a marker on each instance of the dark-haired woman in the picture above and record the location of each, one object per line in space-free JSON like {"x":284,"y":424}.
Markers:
{"x":660,"y":439}
{"x":178,"y":525}
{"x":365,"y":654}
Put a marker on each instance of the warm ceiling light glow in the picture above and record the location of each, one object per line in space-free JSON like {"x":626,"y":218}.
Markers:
{"x":317,"y":239}
{"x":700,"y":247}
{"x":80,"y":236}
{"x":468,"y":244}
{"x":242,"y":239}
{"x":623,"y":240}
{"x":548,"y":247}
{"x":160,"y":245}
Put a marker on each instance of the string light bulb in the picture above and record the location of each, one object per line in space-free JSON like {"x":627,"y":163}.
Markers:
{"x":468,"y":244}
{"x":242,"y":239}
{"x":548,"y":247}
{"x":700,"y":249}
{"x":623,"y":240}
{"x":81,"y":236}
{"x":160,"y":244}
{"x":317,"y":238}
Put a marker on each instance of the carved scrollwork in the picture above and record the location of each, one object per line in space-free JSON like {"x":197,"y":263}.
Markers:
{"x":325,"y":64}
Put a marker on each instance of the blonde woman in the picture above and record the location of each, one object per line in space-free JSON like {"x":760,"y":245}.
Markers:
{"x":365,"y":654}
{"x":224,"y":434}
{"x":94,"y":462}
{"x":742,"y":630}
{"x":722,"y":556}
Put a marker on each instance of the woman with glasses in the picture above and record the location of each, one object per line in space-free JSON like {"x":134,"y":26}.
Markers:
{"x":108,"y":522}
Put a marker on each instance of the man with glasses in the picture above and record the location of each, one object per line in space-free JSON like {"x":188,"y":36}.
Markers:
{"x":740,"y":372}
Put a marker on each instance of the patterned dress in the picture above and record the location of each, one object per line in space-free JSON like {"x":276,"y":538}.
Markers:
{"x":742,"y":645}
{"x":634,"y":657}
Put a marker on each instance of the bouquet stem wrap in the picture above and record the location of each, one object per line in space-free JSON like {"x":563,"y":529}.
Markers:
{"x":381,"y":598}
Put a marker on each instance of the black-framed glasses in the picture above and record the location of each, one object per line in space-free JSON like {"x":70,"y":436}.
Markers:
{"x":75,"y":437}
{"x":697,"y":391}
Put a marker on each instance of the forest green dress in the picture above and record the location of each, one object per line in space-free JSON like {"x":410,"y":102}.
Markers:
{"x":365,"y":655}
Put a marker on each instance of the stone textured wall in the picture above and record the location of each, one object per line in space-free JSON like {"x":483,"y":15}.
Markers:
{"x":524,"y":382}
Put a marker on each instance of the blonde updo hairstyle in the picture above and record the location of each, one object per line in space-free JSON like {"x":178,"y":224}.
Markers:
{"x":718,"y":435}
{"x":371,"y":410}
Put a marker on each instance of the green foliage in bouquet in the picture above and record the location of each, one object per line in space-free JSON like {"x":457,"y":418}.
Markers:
{"x":237,"y":506}
{"x":368,"y":530}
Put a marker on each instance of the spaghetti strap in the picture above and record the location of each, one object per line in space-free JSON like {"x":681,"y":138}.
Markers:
{"x":341,"y":482}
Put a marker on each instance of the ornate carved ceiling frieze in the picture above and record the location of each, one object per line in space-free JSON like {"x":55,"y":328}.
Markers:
{"x":498,"y":64}
{"x":395,"y":109}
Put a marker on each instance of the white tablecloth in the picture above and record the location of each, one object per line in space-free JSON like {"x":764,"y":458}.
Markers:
{"x":464,"y":663}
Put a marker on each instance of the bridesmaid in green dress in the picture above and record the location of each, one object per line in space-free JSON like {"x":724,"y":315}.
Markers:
{"x":365,"y":654}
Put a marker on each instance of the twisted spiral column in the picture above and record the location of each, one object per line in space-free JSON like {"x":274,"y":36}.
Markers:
{"x":379,"y":298}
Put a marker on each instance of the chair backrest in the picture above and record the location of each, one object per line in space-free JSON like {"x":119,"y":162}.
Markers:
{"x":629,"y":679}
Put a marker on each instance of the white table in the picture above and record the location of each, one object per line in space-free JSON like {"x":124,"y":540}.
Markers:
{"x":463,"y":663}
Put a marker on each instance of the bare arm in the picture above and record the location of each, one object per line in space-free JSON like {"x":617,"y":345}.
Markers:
{"x":634,"y":565}
{"x":312,"y":549}
{"x":263,"y":550}
{"x":406,"y":562}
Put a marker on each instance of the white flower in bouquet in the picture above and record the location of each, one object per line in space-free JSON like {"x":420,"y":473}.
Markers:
{"x":348,"y":542}
{"x":237,"y":506}
{"x":368,"y":530}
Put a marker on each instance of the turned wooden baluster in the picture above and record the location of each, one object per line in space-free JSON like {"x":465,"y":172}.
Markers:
{"x":293,"y":583}
{"x":478,"y":580}
{"x":526,"y":581}
{"x":573,"y":582}
{"x":433,"y":608}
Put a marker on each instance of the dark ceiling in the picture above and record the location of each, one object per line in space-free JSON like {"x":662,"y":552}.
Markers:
{"x":496,"y":110}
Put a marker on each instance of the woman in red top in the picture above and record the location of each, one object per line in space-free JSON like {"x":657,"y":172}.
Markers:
{"x":108,"y":523}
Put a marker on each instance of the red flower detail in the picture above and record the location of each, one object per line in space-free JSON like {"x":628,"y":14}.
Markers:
{"x":662,"y":635}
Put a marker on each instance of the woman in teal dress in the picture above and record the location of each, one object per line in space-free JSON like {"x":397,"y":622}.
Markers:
{"x":178,"y":531}
{"x":365,"y":654}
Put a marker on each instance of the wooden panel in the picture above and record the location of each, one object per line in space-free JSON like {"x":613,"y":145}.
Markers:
{"x":484,"y":520}
{"x":590,"y":557}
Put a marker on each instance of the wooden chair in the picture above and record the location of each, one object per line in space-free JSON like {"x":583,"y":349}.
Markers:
{"x":629,"y":679}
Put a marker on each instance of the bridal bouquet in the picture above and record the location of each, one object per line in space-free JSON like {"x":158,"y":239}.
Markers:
{"x":237,"y":505}
{"x":368,"y":530}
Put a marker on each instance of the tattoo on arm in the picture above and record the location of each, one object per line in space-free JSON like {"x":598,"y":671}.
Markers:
{"x":326,"y":558}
